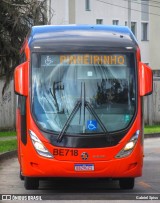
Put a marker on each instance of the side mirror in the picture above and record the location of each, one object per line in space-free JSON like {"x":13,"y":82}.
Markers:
{"x":145,"y":79}
{"x":21,"y":79}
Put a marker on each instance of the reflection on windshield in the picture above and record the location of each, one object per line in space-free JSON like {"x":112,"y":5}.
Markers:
{"x":109,"y":90}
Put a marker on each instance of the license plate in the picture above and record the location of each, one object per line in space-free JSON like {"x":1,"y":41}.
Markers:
{"x":84,"y":167}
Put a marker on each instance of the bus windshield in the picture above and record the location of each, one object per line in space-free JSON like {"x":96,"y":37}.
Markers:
{"x":86,"y":93}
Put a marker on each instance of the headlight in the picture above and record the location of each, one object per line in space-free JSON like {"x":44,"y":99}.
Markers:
{"x":39,"y":147}
{"x":128,"y":148}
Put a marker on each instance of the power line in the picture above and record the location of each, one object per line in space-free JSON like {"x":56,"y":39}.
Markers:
{"x":126,"y":7}
{"x":156,"y":2}
{"x":143,"y":2}
{"x":147,"y":4}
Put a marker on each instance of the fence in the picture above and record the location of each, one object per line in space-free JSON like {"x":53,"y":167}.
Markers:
{"x":152,"y":104}
{"x":7,"y":106}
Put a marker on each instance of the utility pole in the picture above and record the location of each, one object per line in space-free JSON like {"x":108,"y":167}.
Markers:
{"x":49,"y":12}
{"x":66,"y":12}
{"x":129,"y":14}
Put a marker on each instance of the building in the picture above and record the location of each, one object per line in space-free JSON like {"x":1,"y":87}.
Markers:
{"x":155,"y":38}
{"x":109,"y":12}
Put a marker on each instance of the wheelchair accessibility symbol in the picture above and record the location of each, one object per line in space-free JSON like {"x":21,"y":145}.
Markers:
{"x":48,"y":61}
{"x":92,"y":125}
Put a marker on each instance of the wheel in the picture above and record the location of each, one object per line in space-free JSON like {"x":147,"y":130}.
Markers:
{"x":31,"y":183}
{"x":126,"y":183}
{"x":20,"y":175}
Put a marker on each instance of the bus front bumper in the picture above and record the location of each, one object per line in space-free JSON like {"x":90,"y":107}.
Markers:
{"x":44,"y":167}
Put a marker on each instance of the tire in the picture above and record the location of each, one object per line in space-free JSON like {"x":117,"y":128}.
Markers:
{"x":31,"y":183}
{"x":20,"y":175}
{"x":126,"y":183}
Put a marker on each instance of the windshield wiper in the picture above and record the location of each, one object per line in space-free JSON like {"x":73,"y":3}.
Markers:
{"x":74,"y":111}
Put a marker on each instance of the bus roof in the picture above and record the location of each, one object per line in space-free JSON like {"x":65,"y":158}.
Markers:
{"x":81,"y":38}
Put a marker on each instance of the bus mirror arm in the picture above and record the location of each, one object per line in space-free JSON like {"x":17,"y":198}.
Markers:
{"x":145,"y":79}
{"x":21,"y":79}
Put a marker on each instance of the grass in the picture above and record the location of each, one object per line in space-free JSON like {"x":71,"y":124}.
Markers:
{"x":8,"y":145}
{"x":7,"y":133}
{"x":152,"y":129}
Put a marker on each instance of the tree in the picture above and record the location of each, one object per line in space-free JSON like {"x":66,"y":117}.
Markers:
{"x":16,"y":19}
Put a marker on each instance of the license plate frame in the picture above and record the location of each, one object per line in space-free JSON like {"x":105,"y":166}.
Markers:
{"x":84,"y":167}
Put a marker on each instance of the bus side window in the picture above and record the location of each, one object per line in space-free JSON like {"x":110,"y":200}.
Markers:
{"x":22,"y":107}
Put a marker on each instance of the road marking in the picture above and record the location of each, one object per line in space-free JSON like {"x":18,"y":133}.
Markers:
{"x":157,"y":150}
{"x":143,"y":184}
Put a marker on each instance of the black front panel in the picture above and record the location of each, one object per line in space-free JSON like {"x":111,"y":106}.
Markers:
{"x":87,"y":141}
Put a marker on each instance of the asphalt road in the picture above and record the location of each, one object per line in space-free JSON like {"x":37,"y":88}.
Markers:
{"x":146,"y":186}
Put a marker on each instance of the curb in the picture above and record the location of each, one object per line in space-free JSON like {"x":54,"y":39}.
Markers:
{"x":12,"y":154}
{"x":154,"y":135}
{"x":8,"y":155}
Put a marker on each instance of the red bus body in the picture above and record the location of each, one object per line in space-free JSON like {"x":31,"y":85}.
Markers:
{"x":75,"y":160}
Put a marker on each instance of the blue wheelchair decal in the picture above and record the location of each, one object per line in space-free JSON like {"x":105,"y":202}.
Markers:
{"x":92,"y":125}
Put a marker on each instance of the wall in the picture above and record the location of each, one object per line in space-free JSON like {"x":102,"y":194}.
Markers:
{"x":7,"y":107}
{"x":60,"y":12}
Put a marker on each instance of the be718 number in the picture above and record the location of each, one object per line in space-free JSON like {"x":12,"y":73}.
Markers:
{"x":65,"y":152}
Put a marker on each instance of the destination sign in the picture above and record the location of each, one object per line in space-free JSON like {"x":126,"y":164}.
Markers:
{"x":84,"y":59}
{"x":93,"y":59}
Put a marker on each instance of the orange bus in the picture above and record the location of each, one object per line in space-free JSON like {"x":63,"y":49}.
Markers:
{"x":80,"y":104}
